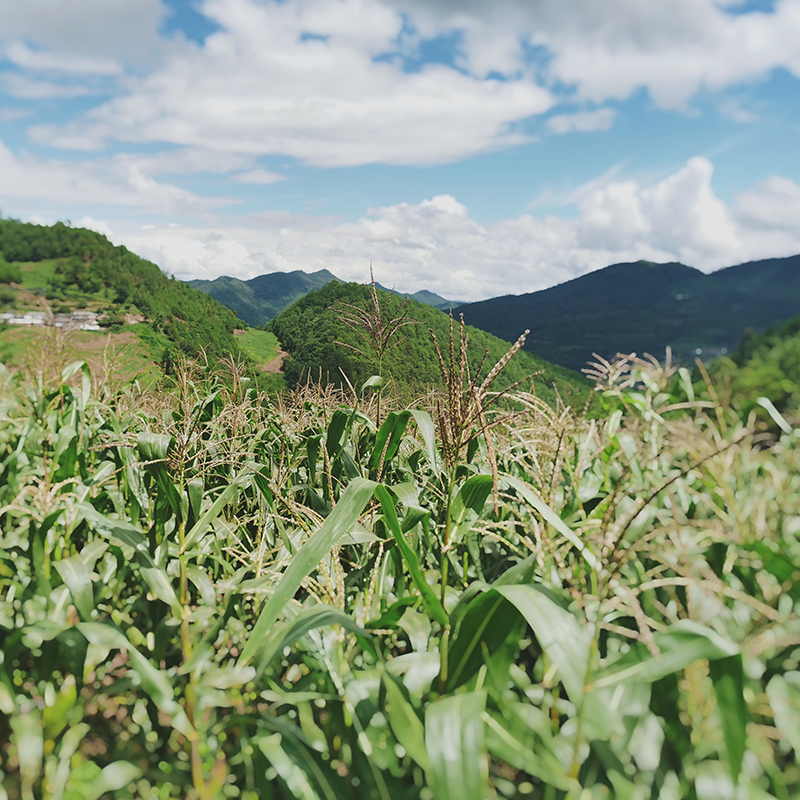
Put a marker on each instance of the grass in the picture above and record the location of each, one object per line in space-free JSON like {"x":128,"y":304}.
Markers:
{"x":124,"y":354}
{"x":261,"y":346}
{"x":38,"y":274}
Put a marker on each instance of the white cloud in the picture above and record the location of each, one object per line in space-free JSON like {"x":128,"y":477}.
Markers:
{"x":14,"y":114}
{"x":257,"y":87}
{"x":674,"y":48}
{"x":583,"y":121}
{"x":26,"y":88}
{"x":185,"y":160}
{"x":118,"y":182}
{"x":41,"y":60}
{"x":84,"y":31}
{"x":436,"y":245}
{"x":259,"y":176}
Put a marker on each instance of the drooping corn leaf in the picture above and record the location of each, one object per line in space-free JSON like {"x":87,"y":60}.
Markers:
{"x":454,"y":738}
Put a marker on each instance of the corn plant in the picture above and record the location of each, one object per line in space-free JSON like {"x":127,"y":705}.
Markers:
{"x":205,"y":593}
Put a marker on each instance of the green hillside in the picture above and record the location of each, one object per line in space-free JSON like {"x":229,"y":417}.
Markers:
{"x":766,"y":364}
{"x":75,"y":268}
{"x":310,"y":329}
{"x":426,"y":297}
{"x":643,"y":307}
{"x":261,"y":298}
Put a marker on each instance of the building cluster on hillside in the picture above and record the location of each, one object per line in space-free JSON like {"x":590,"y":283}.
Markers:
{"x":76,"y":320}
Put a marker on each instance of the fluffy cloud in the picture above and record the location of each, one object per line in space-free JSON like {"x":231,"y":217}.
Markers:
{"x":583,"y":121}
{"x":673,"y":48}
{"x":121,"y":181}
{"x":262,"y":85}
{"x":437,"y":245}
{"x":24,"y":57}
{"x":86,"y":34}
{"x":24,"y":87}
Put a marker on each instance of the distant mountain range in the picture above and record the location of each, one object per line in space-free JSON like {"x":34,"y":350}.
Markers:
{"x":643,"y":307}
{"x":259,"y":299}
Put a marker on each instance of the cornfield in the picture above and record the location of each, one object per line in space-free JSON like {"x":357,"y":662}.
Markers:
{"x":208,"y":593}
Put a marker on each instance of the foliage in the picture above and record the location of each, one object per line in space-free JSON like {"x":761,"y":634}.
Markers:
{"x":89,"y":267}
{"x":644,"y":307}
{"x":766,"y":364}
{"x":312,"y":331}
{"x":261,"y":346}
{"x":9,"y":273}
{"x":259,"y":299}
{"x":207,"y":594}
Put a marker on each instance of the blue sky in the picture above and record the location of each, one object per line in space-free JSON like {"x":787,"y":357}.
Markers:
{"x":467,"y":147}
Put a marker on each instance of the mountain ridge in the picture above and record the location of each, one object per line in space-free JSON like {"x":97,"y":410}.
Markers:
{"x":260,"y":299}
{"x":643,"y":307}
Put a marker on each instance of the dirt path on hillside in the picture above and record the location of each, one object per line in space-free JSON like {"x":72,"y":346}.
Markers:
{"x":276,"y":364}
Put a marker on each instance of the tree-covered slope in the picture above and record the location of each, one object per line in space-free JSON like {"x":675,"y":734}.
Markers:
{"x":766,"y":364}
{"x":259,"y":299}
{"x":75,"y":267}
{"x":310,"y":329}
{"x":643,"y":307}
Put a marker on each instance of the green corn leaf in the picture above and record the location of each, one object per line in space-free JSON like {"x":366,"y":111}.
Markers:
{"x":194,"y":489}
{"x":472,"y":495}
{"x":78,"y":579}
{"x":565,"y":641}
{"x":404,"y":722}
{"x":335,"y":527}
{"x":318,"y":616}
{"x":27,"y":730}
{"x":111,"y":778}
{"x":454,"y":738}
{"x":727,"y":675}
{"x":388,"y":438}
{"x":681,"y":644}
{"x":225,"y":496}
{"x":428,"y":433}
{"x":521,"y":736}
{"x":154,"y":446}
{"x":336,"y":428}
{"x":124,"y":533}
{"x":488,"y":620}
{"x":783,"y":692}
{"x":286,"y":761}
{"x":203,"y":584}
{"x":154,"y":682}
{"x":548,"y":515}
{"x":429,"y":598}
{"x":227,"y":677}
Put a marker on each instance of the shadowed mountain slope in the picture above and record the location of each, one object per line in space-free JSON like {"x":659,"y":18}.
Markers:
{"x":643,"y":307}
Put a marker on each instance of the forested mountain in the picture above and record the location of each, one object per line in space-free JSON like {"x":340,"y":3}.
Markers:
{"x":643,"y":307}
{"x":76,"y":267}
{"x":766,"y":364}
{"x":259,"y":299}
{"x":311,"y":327}
{"x":426,"y":297}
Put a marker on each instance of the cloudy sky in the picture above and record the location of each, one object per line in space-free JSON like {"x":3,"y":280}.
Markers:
{"x":472,"y":148}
